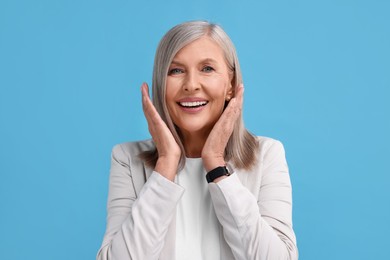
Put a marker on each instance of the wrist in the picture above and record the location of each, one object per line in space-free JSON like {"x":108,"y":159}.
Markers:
{"x":212,"y":163}
{"x":167,"y":167}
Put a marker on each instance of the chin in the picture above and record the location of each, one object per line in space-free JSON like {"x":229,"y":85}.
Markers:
{"x":194,"y":128}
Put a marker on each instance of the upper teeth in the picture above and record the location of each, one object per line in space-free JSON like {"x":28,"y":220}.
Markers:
{"x":193,"y":104}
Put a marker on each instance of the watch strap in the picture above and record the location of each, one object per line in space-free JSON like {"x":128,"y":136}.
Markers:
{"x":216,"y":173}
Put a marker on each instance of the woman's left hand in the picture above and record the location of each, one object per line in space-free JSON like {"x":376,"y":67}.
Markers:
{"x":214,"y":148}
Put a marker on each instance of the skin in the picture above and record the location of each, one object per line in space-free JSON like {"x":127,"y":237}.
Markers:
{"x":199,"y":70}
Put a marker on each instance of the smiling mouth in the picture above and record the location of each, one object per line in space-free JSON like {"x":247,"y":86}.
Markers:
{"x":194,"y":104}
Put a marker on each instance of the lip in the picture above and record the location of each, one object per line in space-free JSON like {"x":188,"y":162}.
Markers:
{"x":193,"y":110}
{"x":191,"y":99}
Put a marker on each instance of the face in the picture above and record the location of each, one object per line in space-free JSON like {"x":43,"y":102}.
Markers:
{"x":198,"y":84}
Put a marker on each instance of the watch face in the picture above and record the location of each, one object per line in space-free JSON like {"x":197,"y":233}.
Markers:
{"x":229,"y":168}
{"x":228,"y":171}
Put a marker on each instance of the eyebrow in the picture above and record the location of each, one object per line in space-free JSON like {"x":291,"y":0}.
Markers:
{"x":176,"y":63}
{"x":207,"y":60}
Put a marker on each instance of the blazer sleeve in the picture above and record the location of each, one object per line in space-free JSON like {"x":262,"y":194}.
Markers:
{"x":136,"y":225}
{"x":258,"y":228}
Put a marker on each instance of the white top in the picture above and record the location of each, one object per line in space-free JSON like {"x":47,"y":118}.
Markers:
{"x":197,"y":226}
{"x":254,"y":209}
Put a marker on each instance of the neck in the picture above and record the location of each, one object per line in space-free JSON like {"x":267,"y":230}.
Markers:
{"x":194,"y":142}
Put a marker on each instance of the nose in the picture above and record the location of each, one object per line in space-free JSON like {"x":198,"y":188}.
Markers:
{"x":191,"y":82}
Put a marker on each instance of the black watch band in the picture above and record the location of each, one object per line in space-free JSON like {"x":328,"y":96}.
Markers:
{"x":217,"y":172}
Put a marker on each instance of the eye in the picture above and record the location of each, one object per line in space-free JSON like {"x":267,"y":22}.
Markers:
{"x":208,"y":69}
{"x":175,"y":71}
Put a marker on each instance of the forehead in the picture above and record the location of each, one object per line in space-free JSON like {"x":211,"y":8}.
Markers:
{"x":202,"y":48}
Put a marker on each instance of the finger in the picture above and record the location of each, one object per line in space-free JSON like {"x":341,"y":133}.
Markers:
{"x":147,"y":106}
{"x":240,"y":94}
{"x":235,"y":105}
{"x":151,"y":114}
{"x":233,"y":110}
{"x":238,"y":100}
{"x":145,"y":94}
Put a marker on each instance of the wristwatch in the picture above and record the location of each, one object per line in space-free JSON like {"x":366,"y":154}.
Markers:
{"x":217,"y":172}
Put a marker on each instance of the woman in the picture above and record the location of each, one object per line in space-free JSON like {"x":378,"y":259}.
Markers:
{"x":203,"y":187}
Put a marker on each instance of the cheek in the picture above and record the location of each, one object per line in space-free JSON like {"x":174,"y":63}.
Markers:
{"x":172,"y":87}
{"x":217,"y":86}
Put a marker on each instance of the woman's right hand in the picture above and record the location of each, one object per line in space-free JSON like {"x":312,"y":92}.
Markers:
{"x":169,"y":151}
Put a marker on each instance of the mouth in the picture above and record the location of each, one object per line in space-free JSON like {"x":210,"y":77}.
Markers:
{"x":193,"y":104}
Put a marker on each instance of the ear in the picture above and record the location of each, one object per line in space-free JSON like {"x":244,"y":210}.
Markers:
{"x":230,"y":93}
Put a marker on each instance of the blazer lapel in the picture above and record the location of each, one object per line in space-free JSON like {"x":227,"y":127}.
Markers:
{"x":148,"y":171}
{"x":140,"y":179}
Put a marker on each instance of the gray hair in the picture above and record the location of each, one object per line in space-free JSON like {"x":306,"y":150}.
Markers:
{"x":241,"y":145}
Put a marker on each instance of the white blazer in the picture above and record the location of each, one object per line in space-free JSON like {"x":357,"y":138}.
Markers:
{"x":254,"y":208}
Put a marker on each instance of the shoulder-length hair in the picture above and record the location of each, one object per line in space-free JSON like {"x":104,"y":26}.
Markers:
{"x":242,"y":145}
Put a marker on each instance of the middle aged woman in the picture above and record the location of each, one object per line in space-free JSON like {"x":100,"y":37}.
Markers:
{"x":203,"y":187}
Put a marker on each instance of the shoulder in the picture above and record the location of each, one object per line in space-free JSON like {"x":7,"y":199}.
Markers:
{"x":135,"y":147}
{"x":132,"y":149}
{"x":270,"y":159}
{"x":269,"y":147}
{"x":267,"y":142}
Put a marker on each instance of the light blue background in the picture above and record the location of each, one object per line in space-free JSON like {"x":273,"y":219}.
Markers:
{"x":316,"y":77}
